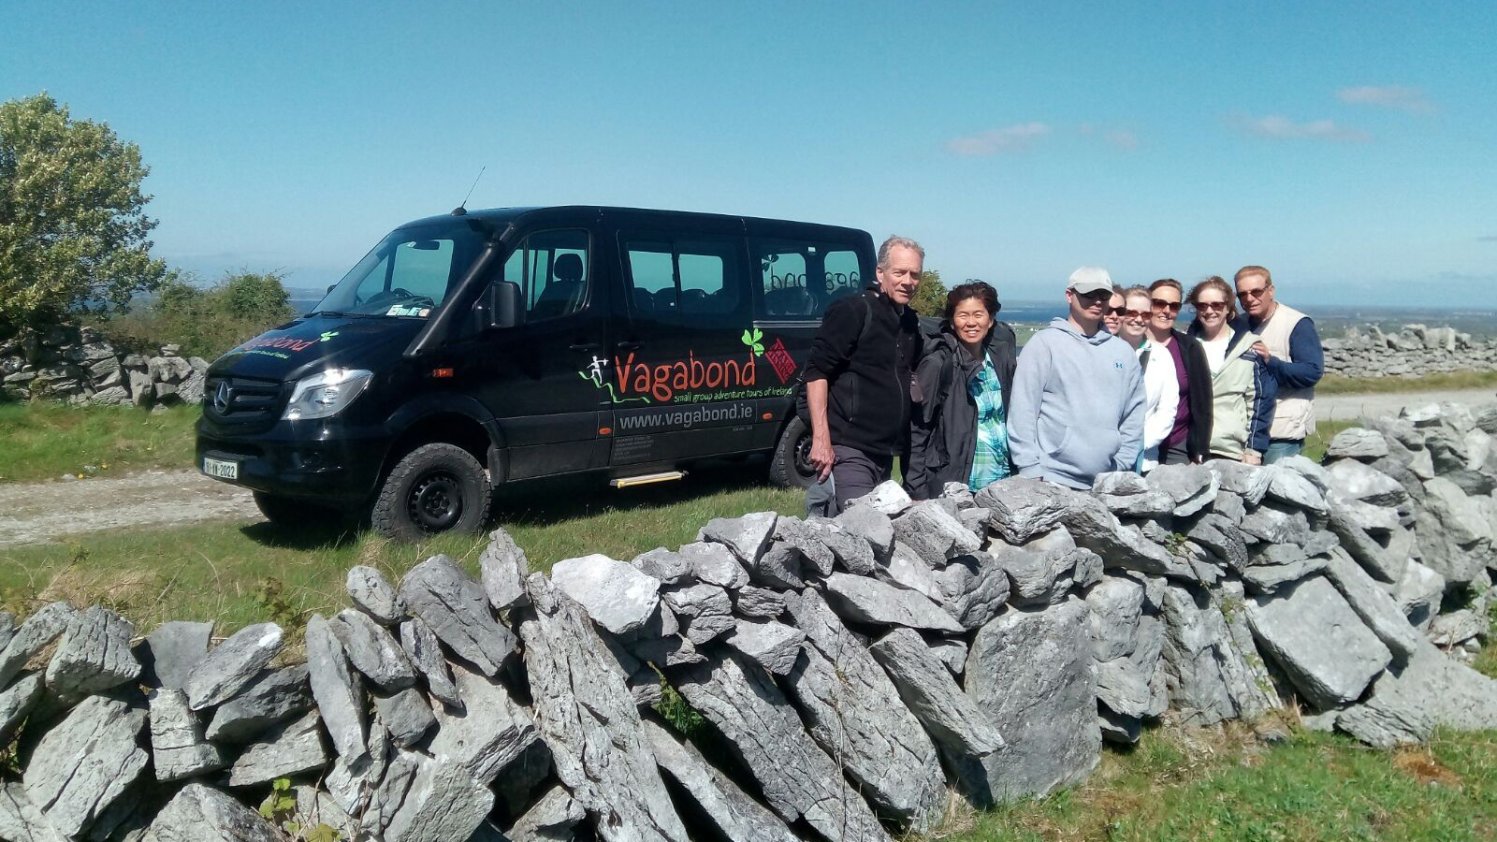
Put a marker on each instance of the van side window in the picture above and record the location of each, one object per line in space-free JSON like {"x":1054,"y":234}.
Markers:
{"x":553,"y":269}
{"x":684,"y":280}
{"x":799,"y":279}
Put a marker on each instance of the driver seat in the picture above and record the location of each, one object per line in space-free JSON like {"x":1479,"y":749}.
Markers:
{"x":564,"y":293}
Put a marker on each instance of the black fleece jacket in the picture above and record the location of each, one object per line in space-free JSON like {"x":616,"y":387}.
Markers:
{"x":1198,"y":374}
{"x":868,"y":381}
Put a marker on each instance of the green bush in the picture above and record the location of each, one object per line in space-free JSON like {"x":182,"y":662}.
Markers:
{"x":205,"y":322}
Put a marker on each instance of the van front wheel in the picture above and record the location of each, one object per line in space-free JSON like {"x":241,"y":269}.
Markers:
{"x":435,"y":488}
{"x":790,"y":466}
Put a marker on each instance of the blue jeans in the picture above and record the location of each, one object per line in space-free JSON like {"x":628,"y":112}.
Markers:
{"x":1282,"y":449}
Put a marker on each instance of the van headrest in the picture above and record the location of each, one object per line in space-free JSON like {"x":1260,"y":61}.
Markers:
{"x":568,"y":267}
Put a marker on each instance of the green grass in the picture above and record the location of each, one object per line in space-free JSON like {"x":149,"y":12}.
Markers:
{"x":46,"y":440}
{"x":1317,"y":442}
{"x":1227,"y":784}
{"x":1335,"y":385}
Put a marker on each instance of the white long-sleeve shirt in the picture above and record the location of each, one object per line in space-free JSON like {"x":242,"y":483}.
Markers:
{"x":1161,"y":400}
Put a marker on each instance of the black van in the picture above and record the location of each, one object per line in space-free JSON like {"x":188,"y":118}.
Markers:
{"x":487,"y":347}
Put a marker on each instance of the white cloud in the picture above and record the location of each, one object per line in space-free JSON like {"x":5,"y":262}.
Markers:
{"x":1015,"y":138}
{"x":1282,"y":128}
{"x":1387,"y":96}
{"x":1123,"y":139}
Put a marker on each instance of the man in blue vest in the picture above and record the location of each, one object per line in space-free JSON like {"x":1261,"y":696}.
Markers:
{"x":1291,"y":349}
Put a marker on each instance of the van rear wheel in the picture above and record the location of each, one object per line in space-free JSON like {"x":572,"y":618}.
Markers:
{"x":434,"y":488}
{"x":790,"y":466}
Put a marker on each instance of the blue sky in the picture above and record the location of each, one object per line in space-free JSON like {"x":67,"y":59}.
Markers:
{"x":1348,"y":148}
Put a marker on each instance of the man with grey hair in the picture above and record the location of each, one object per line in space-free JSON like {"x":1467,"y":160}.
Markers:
{"x":858,"y":377}
{"x":1078,"y":404}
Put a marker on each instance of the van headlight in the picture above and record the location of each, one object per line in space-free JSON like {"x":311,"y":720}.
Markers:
{"x":325,"y":394}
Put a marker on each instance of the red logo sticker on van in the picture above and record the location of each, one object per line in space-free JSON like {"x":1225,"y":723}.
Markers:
{"x":780,"y":360}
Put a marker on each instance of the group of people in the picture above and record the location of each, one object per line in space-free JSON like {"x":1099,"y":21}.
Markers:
{"x":1115,"y":385}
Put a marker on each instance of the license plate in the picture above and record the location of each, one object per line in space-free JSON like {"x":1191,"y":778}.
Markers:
{"x":220,"y":468}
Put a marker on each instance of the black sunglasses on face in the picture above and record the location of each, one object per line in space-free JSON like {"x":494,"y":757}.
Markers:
{"x":1116,"y":311}
{"x":1161,"y":304}
{"x":1211,"y":305}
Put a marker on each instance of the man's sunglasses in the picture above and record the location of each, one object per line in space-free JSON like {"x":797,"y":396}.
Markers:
{"x":1161,"y":304}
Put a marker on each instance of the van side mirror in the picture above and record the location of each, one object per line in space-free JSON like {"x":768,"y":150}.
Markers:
{"x":503,"y":306}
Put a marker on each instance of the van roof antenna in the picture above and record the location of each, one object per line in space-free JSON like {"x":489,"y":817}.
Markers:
{"x":462,"y":209}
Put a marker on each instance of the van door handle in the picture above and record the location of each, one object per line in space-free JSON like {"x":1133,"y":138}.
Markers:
{"x":627,"y":346}
{"x":585,"y":346}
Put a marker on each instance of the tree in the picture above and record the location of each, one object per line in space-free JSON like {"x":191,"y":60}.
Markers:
{"x":72,"y":216}
{"x":930,"y":296}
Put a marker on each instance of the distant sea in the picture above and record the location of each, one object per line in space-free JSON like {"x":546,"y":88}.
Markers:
{"x":1331,"y":320}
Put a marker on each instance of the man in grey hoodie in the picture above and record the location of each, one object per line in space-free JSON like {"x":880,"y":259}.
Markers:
{"x":1078,"y":404}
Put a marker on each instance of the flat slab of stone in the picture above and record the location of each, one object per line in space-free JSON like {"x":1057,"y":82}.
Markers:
{"x":616,"y":595}
{"x":232,"y":665}
{"x":1190,"y":488}
{"x":44,"y":625}
{"x":666,"y":565}
{"x":934,"y":533}
{"x":421,"y":645}
{"x":443,"y":802}
{"x":338,"y":692}
{"x":735,"y":814}
{"x":1356,"y":481}
{"x":887,"y":498}
{"x":16,"y":702}
{"x":1373,"y":604}
{"x":973,"y":588}
{"x":287,"y":750}
{"x":1318,"y":641}
{"x":872,"y":526}
{"x":747,"y":536}
{"x":852,"y":552}
{"x":771,"y":645}
{"x":1020,"y":508}
{"x":552,"y":817}
{"x":868,"y":601}
{"x":798,"y":779}
{"x":374,"y":595}
{"x":847,"y":702}
{"x":170,"y":652}
{"x":1213,"y":669}
{"x":1030,"y":674}
{"x":714,"y":564}
{"x":1357,"y":443}
{"x":20,"y":820}
{"x":928,"y":690}
{"x":457,"y":609}
{"x":274,"y":696}
{"x":406,"y":714}
{"x":178,"y":748}
{"x":83,"y":765}
{"x":502,"y":567}
{"x":587,"y":717}
{"x":202,"y":814}
{"x":489,"y":734}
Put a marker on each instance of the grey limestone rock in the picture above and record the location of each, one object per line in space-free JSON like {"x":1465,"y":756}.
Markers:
{"x":202,"y":814}
{"x":974,"y":587}
{"x":551,"y":818}
{"x":232,"y":665}
{"x":273,"y":696}
{"x":20,"y":820}
{"x":959,"y":494}
{"x":747,"y":536}
{"x":816,"y":557}
{"x":1275,"y":565}
{"x":586,"y":715}
{"x":1248,"y":482}
{"x":666,"y":565}
{"x":1290,"y":486}
{"x":442,"y":803}
{"x":1355,"y":481}
{"x":846,"y":700}
{"x":178,"y":748}
{"x":1418,"y":593}
{"x":714,"y":564}
{"x":457,"y":609}
{"x":1124,"y":547}
{"x":888,"y":497}
{"x":1213,"y":672}
{"x":1407,"y":702}
{"x":952,"y":653}
{"x":771,"y":645}
{"x":734,"y":813}
{"x":1220,"y":537}
{"x":502,"y":568}
{"x":1457,"y":627}
{"x":492,"y":731}
{"x":1309,"y":469}
{"x":1120,"y":484}
{"x":851,"y":551}
{"x":7,"y":628}
{"x":1021,"y":508}
{"x":759,"y":603}
{"x":17,"y":700}
{"x":797,"y":778}
{"x":1030,"y":673}
{"x":287,"y":750}
{"x":617,"y":596}
{"x":94,"y":654}
{"x":421,"y":645}
{"x":1454,"y":532}
{"x":868,"y":601}
{"x":908,"y":570}
{"x":1372,"y":535}
{"x":406,"y":714}
{"x":1277,"y":525}
{"x":1189,"y":487}
{"x":1117,"y":605}
{"x":372,"y":650}
{"x":929,"y":691}
{"x":338,"y":692}
{"x":934,"y":533}
{"x":1373,"y":604}
{"x":1035,"y":578}
{"x":1229,"y":505}
{"x":779,"y":567}
{"x":872,"y":526}
{"x":45,"y":625}
{"x":1318,"y":641}
{"x":170,"y":652}
{"x":1357,"y":443}
{"x":704,"y":610}
{"x":373,"y":594}
{"x":83,"y":765}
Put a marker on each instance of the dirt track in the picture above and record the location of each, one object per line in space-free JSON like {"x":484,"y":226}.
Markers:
{"x":32,"y":513}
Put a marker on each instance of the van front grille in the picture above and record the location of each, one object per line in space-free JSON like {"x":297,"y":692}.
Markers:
{"x":242,"y":400}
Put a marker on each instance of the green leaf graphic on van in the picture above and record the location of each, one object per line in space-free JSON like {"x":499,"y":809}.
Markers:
{"x":755,"y":340}
{"x":328,"y":334}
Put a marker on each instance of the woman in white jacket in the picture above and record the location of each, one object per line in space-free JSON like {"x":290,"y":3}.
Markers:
{"x":1161,"y":395}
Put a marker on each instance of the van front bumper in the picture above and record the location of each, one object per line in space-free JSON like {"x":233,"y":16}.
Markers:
{"x":322,"y":461}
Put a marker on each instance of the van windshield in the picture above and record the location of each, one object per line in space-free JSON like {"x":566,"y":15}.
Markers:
{"x":409,"y":274}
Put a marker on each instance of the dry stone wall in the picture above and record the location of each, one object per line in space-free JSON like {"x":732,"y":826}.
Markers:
{"x":848,"y":673}
{"x":1413,"y":351}
{"x":75,"y":364}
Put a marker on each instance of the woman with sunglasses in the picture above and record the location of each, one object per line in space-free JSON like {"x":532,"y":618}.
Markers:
{"x":1161,"y":396}
{"x":1242,"y":389}
{"x":959,"y":428}
{"x":1189,"y":439}
{"x":1112,"y":317}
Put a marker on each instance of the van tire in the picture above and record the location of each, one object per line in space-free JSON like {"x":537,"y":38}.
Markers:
{"x":790,"y":466}
{"x":434,"y":488}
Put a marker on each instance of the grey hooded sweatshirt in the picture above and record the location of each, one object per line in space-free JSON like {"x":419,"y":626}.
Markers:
{"x":1077,"y":408}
